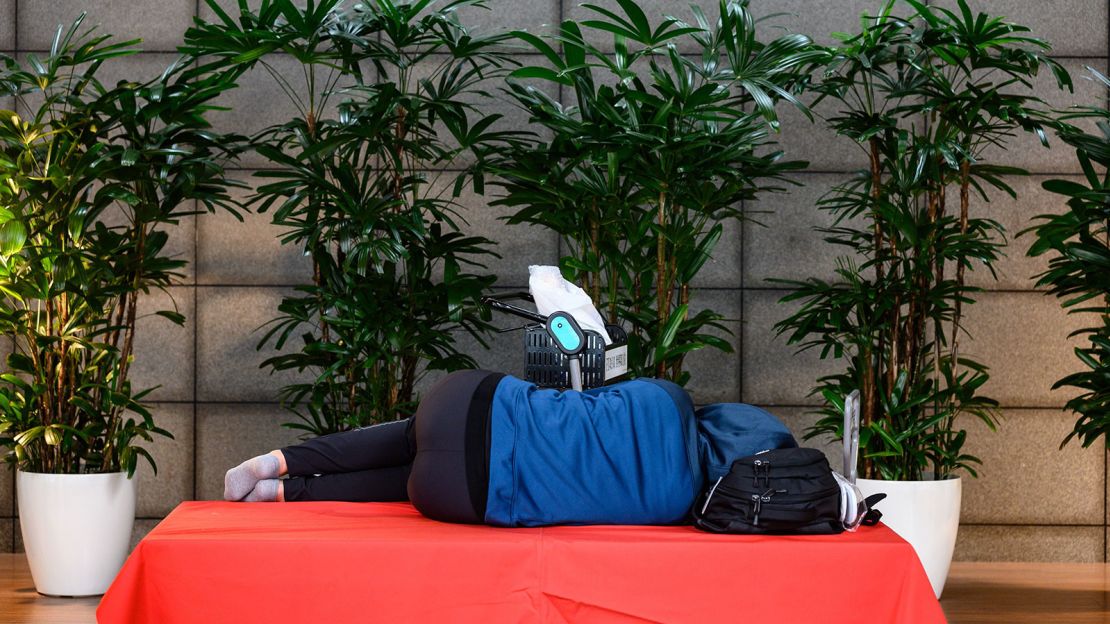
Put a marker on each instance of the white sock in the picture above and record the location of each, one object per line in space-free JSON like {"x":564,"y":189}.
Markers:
{"x":240,"y":480}
{"x":265,"y":491}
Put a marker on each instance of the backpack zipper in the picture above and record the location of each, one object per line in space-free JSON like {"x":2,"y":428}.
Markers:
{"x":759,"y":499}
{"x":745,"y":493}
{"x":761,"y":470}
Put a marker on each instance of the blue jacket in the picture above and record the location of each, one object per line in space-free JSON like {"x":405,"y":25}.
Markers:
{"x":631,"y":453}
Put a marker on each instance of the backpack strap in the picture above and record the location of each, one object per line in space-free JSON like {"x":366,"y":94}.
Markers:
{"x":706,"y":525}
{"x":872,"y":517}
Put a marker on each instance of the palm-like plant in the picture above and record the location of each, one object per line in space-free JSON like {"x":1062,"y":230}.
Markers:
{"x":93,"y":177}
{"x":656,"y":152}
{"x":1079,"y":267}
{"x":925,"y":97}
{"x":394,"y":279}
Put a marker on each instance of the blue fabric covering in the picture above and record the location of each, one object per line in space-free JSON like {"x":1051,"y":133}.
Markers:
{"x":631,"y":453}
{"x":729,"y":431}
{"x":620,"y":454}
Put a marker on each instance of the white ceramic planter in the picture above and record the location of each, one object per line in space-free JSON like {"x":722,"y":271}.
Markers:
{"x":76,"y":529}
{"x":927,"y":515}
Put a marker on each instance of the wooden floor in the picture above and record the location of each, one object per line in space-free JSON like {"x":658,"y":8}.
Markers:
{"x":977,"y":593}
{"x":19,"y":602}
{"x":1017,"y":593}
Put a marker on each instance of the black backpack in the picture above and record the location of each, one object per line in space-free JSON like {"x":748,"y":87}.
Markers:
{"x":790,"y":490}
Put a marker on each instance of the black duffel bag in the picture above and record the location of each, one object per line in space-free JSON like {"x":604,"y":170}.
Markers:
{"x":783,"y":491}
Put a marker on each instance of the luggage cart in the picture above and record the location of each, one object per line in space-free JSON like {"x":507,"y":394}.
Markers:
{"x":559,"y":353}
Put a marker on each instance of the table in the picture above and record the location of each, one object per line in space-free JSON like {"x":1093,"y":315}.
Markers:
{"x":384,"y":562}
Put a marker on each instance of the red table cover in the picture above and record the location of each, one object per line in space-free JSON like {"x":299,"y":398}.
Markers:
{"x":384,"y":562}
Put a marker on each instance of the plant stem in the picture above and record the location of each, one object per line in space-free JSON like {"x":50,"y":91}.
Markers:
{"x":408,"y":381}
{"x":965,"y":201}
{"x":663,"y":298}
{"x":869,"y":404}
{"x":935,"y":218}
{"x":684,"y":300}
{"x":595,"y":234}
{"x":612,"y":274}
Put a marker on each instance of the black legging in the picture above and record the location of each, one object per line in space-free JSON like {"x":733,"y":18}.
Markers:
{"x":369,"y":464}
{"x":438,"y":459}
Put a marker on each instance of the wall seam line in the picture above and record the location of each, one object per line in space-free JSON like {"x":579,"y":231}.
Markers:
{"x":196,"y":323}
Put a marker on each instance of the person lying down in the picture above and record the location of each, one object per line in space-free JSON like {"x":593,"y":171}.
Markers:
{"x":489,"y":448}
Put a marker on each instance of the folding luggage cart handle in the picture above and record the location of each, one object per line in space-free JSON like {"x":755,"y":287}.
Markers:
{"x":570,"y":339}
{"x":561,"y":327}
{"x":500,"y":305}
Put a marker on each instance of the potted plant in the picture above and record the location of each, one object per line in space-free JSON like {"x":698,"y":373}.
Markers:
{"x":653,"y":155}
{"x":924,"y":96}
{"x":368,"y":192}
{"x":91,"y":178}
{"x":1079,"y":267}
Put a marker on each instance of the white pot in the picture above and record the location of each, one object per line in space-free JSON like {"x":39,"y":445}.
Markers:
{"x":927,"y":515}
{"x":76,"y":529}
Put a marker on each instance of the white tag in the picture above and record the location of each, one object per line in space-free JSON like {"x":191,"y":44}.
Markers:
{"x":616,"y":362}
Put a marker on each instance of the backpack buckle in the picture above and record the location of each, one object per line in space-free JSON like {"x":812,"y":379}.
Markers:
{"x":872,"y":517}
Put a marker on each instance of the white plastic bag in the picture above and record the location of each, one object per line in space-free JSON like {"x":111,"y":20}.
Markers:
{"x":553,"y":293}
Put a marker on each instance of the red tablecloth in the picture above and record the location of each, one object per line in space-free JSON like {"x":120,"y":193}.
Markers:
{"x":383,"y":562}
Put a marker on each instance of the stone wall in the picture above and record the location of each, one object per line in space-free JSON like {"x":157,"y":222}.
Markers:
{"x":1033,"y":501}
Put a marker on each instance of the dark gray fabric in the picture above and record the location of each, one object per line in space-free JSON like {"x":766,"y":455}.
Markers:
{"x":438,"y":485}
{"x":379,"y":485}
{"x":422,"y":459}
{"x":370,"y":464}
{"x":379,"y":446}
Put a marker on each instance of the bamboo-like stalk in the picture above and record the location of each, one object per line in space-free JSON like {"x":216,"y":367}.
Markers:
{"x":61,"y":394}
{"x":612,"y":274}
{"x":352,"y":385}
{"x":400,"y":379}
{"x":49,"y":399}
{"x":311,"y":124}
{"x":965,"y":201}
{"x":637,"y":291}
{"x":377,"y":373}
{"x":65,"y":391}
{"x":869,"y":403}
{"x":129,"y":310}
{"x":683,"y":300}
{"x":595,"y":235}
{"x":317,"y":276}
{"x":663,"y":299}
{"x":408,"y":382}
{"x":393,"y":389}
{"x":938,"y":278}
{"x":894,"y":362}
{"x":957,"y":315}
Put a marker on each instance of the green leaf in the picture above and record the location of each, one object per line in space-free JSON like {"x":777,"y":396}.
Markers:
{"x":176,"y":317}
{"x":666,"y":338}
{"x":1065,"y":187}
{"x":702,"y":253}
{"x":575,"y":52}
{"x":130,"y":157}
{"x":637,"y":17}
{"x":542,"y":47}
{"x":542,"y":73}
{"x":53,"y":435}
{"x":12,"y":237}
